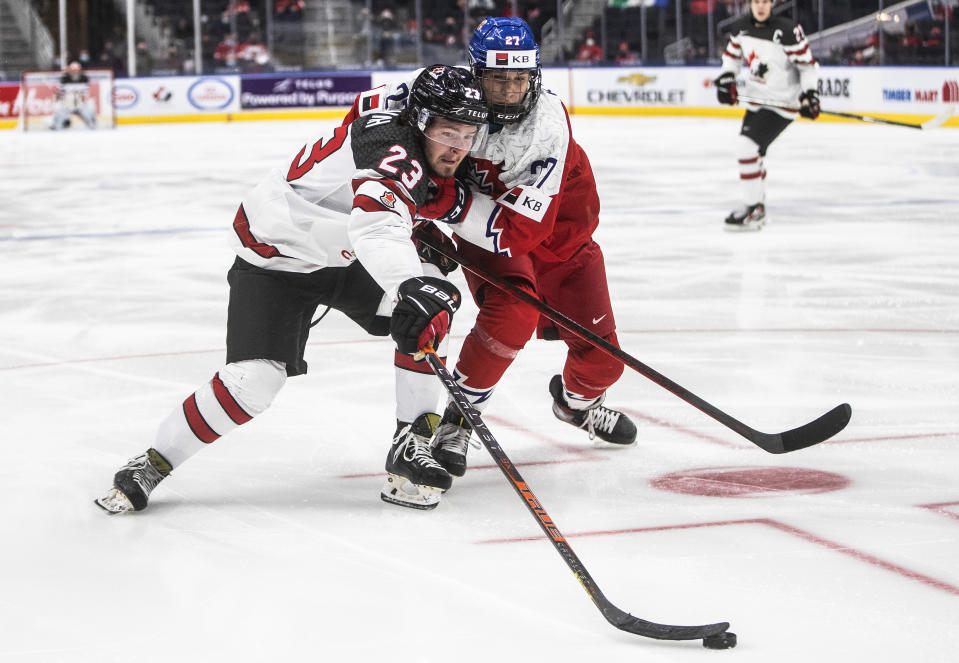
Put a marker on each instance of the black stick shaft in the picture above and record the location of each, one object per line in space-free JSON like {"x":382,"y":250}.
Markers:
{"x":613,"y":615}
{"x":851,"y":116}
{"x":804,"y":436}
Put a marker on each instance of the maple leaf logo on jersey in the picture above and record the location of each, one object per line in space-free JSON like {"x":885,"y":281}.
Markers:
{"x":388,"y":199}
{"x":756,"y":68}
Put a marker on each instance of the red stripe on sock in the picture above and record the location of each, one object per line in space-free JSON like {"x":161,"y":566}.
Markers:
{"x":197,"y":423}
{"x":407,"y":362}
{"x":227,"y":402}
{"x":749,"y":176}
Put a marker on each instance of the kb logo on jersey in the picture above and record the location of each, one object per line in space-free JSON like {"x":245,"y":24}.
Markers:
{"x":534,"y":205}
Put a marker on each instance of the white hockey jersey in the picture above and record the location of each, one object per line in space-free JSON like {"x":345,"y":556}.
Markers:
{"x":527,"y":169}
{"x":773,"y":61}
{"x":351,"y":194}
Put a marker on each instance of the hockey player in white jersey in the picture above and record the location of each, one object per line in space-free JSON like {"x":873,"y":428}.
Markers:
{"x":73,"y":98}
{"x":333,"y":228}
{"x":773,"y":57}
{"x":534,"y":230}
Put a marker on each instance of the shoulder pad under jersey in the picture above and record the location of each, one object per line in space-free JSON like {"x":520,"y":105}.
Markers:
{"x":383,"y":143}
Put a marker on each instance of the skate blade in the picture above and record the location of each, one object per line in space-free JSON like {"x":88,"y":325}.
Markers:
{"x":603,"y":444}
{"x":114,"y":502}
{"x":403,"y":492}
{"x":745,"y":227}
{"x":736,"y":228}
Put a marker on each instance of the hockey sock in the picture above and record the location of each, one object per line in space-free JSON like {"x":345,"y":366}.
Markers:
{"x":237,"y":393}
{"x":751,"y":171}
{"x":589,"y":371}
{"x":417,"y":389}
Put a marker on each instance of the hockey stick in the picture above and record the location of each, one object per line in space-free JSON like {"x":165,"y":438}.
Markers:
{"x":935,"y":122}
{"x":713,"y":635}
{"x":807,"y":435}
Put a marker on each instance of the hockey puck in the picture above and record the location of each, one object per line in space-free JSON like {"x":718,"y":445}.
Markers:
{"x":724,"y":640}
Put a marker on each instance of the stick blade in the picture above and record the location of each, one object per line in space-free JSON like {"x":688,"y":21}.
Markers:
{"x":637,"y":626}
{"x":816,"y":431}
{"x":940,"y":119}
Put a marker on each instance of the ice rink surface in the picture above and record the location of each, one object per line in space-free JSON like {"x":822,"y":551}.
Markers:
{"x":274,"y":545}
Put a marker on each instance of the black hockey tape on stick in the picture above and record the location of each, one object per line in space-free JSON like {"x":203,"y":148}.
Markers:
{"x":807,"y":435}
{"x":621,"y":620}
{"x":935,"y":122}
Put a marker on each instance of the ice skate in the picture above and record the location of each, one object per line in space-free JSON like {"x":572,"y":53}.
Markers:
{"x":607,"y":428}
{"x":747,"y":218}
{"x":452,"y":441}
{"x":413,"y":477}
{"x":134,"y":482}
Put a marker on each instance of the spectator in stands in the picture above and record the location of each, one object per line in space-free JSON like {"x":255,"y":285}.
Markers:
{"x":429,"y":35}
{"x":385,"y":27}
{"x":226,"y":51}
{"x":624,"y":56}
{"x":144,"y":59}
{"x":480,"y":8}
{"x":535,"y":18}
{"x":589,"y":51}
{"x":451,"y":32}
{"x":252,"y":55}
{"x":910,"y":37}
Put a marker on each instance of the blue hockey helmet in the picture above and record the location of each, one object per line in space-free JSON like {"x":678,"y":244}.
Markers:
{"x":500,"y":46}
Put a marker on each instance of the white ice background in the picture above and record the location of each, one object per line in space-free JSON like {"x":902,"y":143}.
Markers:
{"x":273,"y":544}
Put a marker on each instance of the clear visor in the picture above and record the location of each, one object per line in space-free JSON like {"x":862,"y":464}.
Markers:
{"x":458,"y":135}
{"x":506,"y":87}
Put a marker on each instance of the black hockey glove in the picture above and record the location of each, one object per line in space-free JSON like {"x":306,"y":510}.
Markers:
{"x":449,"y":202}
{"x":809,"y":104}
{"x":427,"y":254}
{"x":423,"y":312}
{"x":726,"y":88}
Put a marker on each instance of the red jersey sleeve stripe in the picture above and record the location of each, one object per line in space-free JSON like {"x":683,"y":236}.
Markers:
{"x":368,"y":204}
{"x":392,"y":185}
{"x":227,"y":402}
{"x":197,"y":423}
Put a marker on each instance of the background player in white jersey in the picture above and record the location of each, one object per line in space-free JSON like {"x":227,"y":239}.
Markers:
{"x":73,"y":98}
{"x":536,"y":231}
{"x":773,"y":55}
{"x":333,"y":228}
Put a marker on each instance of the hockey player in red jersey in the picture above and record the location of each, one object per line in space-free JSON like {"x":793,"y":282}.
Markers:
{"x":773,"y":55}
{"x":333,"y":227}
{"x":535,"y":229}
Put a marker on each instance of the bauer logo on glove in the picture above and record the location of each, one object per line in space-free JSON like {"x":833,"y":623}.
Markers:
{"x":423,"y":313}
